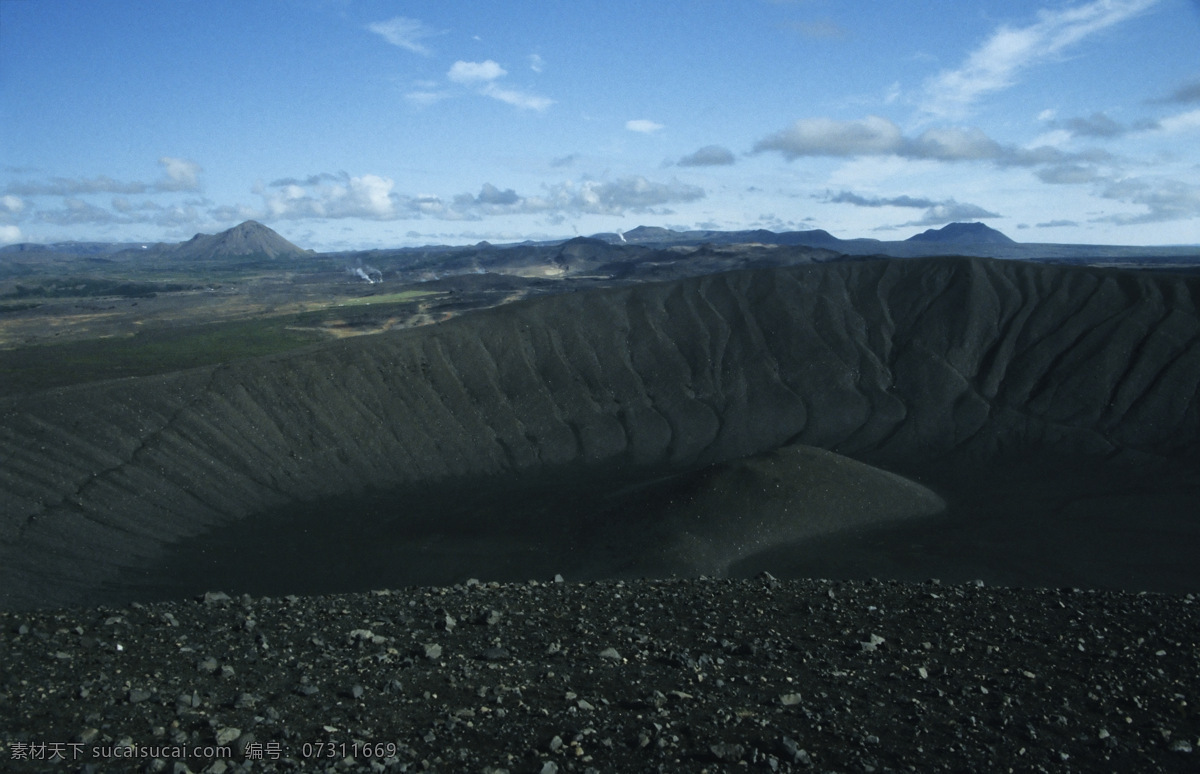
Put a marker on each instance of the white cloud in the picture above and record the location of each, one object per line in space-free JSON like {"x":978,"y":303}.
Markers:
{"x":482,"y":76}
{"x":373,"y":197}
{"x":997,"y":64}
{"x":10,"y":235}
{"x":875,"y":136}
{"x":475,"y":72}
{"x":517,"y":98}
{"x":11,"y":205}
{"x":826,"y":137}
{"x":1182,"y":122}
{"x":425,"y":98}
{"x":404,"y":32}
{"x":366,"y":196}
{"x":643,"y":126}
{"x":536,"y":63}
{"x":182,"y":175}
{"x":179,"y":175}
{"x":1164,"y":200}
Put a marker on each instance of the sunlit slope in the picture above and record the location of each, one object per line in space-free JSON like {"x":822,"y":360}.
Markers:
{"x":888,"y":360}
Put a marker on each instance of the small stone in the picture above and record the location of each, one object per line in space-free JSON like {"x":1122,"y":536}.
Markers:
{"x":1180,"y":746}
{"x":549,"y":767}
{"x":216,"y":598}
{"x":873,"y":643}
{"x":227,"y":735}
{"x":556,"y":743}
{"x":357,"y":691}
{"x":495,"y":654}
{"x":729,"y":753}
{"x":611,"y":654}
{"x":789,"y":699}
{"x":795,"y":751}
{"x":208,"y":665}
{"x":558,"y":579}
{"x":433,"y":651}
{"x":489,"y":617}
{"x":137,"y":695}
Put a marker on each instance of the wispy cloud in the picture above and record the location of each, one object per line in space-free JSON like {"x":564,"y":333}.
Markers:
{"x":483,"y":77}
{"x":536,"y":63}
{"x":373,"y":197}
{"x":817,"y":28}
{"x":178,"y":175}
{"x":999,"y":62}
{"x":936,"y":212}
{"x":708,"y":156}
{"x":1164,"y":200}
{"x":847,"y":197}
{"x":644,"y":126}
{"x":875,"y":136}
{"x":404,"y":32}
{"x":518,"y":98}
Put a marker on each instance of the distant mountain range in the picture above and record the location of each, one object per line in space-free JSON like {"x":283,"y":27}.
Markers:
{"x":252,"y":242}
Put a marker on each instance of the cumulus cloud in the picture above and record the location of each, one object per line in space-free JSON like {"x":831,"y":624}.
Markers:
{"x":475,"y":72}
{"x":365,"y":196}
{"x":10,"y":235}
{"x":826,"y":137}
{"x":708,"y":156}
{"x":875,"y":136}
{"x":181,"y":175}
{"x":405,"y":33}
{"x":1010,"y":50}
{"x":642,"y":125}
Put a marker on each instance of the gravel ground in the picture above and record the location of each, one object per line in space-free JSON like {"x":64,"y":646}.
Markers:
{"x":698,"y":675}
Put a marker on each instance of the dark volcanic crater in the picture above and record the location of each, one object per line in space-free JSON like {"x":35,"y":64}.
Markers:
{"x":1022,"y":423}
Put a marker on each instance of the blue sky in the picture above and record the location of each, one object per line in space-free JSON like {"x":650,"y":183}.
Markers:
{"x":350,"y":124}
